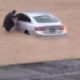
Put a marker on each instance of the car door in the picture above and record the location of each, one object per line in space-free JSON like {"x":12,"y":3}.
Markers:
{"x":23,"y":23}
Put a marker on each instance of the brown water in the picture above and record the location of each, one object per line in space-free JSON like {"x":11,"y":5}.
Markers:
{"x":15,"y":47}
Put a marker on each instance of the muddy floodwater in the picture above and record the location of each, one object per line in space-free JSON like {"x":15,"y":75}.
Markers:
{"x":16,"y":47}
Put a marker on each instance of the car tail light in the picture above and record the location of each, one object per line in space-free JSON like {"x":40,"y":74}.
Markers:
{"x":65,"y":29}
{"x":60,"y":27}
{"x":40,"y":28}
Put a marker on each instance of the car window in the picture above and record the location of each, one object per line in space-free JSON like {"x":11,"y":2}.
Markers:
{"x":22,"y":17}
{"x":45,"y":19}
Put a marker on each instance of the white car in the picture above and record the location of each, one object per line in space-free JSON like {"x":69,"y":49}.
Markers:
{"x":40,"y":23}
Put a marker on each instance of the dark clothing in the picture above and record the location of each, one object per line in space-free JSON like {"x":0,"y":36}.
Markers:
{"x":8,"y":22}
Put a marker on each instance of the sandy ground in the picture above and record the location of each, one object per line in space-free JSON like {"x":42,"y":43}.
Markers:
{"x":15,"y":47}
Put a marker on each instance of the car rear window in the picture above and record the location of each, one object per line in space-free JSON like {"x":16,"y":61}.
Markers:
{"x":45,"y":19}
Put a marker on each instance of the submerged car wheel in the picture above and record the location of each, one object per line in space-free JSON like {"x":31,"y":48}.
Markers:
{"x":27,"y":32}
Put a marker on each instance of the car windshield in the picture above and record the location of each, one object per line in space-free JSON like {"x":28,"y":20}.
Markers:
{"x":45,"y":19}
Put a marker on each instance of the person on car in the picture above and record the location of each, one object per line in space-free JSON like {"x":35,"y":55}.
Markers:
{"x":9,"y":20}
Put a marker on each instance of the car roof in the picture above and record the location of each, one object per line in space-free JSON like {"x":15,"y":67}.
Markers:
{"x":33,"y":14}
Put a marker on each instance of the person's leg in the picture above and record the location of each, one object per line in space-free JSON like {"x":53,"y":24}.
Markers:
{"x":10,"y":26}
{"x":7,"y":29}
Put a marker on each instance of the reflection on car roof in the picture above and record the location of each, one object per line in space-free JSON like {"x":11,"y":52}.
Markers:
{"x":36,"y":13}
